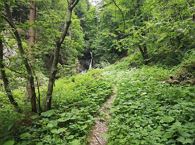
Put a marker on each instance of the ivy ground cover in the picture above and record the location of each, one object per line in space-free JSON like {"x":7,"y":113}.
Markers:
{"x":150,"y":112}
{"x":76,"y":101}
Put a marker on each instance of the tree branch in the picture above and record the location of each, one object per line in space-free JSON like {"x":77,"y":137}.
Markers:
{"x":71,"y":6}
{"x":75,"y":2}
{"x":121,"y":14}
{"x":5,"y":80}
{"x":59,"y":42}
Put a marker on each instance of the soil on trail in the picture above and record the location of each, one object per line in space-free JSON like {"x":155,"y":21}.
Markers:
{"x":97,"y":136}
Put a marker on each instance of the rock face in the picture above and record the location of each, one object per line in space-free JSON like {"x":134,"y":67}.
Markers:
{"x":86,"y":61}
{"x":8,"y":52}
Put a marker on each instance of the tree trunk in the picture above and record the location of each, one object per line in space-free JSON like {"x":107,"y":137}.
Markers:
{"x":32,"y":32}
{"x":53,"y":71}
{"x":30,"y":77}
{"x":52,"y":77}
{"x":31,"y":39}
{"x":6,"y":81}
{"x":144,"y":53}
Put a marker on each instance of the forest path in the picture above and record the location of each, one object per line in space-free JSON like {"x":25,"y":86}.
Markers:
{"x":99,"y":130}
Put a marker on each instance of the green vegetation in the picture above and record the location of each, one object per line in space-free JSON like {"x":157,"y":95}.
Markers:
{"x":60,"y":61}
{"x":149,"y":111}
{"x":76,"y":100}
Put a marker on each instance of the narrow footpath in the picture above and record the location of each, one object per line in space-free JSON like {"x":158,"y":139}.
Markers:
{"x":99,"y":130}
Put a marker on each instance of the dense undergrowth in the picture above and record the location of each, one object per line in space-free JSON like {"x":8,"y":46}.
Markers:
{"x":148,"y":110}
{"x":151,"y":43}
{"x":76,"y":102}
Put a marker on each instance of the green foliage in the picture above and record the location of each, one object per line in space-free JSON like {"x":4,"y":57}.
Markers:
{"x":50,"y":22}
{"x":165,"y":28}
{"x":148,"y":111}
{"x":49,"y":26}
{"x":187,"y":65}
{"x":8,"y":115}
{"x":131,"y":61}
{"x":76,"y":102}
{"x":9,"y":142}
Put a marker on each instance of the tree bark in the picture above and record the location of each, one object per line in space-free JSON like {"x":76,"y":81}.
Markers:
{"x":6,"y":81}
{"x":32,"y":33}
{"x":31,"y":39}
{"x":144,"y":53}
{"x":59,"y":42}
{"x":30,"y":77}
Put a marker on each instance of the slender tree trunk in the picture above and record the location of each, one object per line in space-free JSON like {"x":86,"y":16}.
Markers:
{"x":53,"y":71}
{"x":144,"y":53}
{"x":6,"y":81}
{"x":55,"y":63}
{"x":32,"y":32}
{"x":39,"y":109}
{"x":23,"y":55}
{"x":31,"y":40}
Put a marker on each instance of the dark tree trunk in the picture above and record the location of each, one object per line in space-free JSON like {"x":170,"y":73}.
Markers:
{"x":53,"y":71}
{"x":144,"y":53}
{"x":52,"y":76}
{"x":6,"y":81}
{"x":27,"y":65}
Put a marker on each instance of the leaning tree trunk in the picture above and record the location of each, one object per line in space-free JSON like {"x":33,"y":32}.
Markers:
{"x":71,"y":5}
{"x":30,"y":77}
{"x":6,"y":81}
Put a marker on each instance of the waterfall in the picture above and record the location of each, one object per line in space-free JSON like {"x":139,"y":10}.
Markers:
{"x":91,"y":60}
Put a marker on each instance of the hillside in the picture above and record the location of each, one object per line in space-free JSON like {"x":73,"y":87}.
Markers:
{"x":145,"y":110}
{"x":106,"y":72}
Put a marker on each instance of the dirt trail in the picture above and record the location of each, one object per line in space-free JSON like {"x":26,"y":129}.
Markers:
{"x":97,"y":136}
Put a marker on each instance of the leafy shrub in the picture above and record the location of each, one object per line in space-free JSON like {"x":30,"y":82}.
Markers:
{"x":187,"y":67}
{"x":76,"y":102}
{"x":132,"y":61}
{"x":8,"y":117}
{"x":147,"y":111}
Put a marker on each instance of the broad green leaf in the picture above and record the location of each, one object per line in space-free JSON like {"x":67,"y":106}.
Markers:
{"x":9,"y":142}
